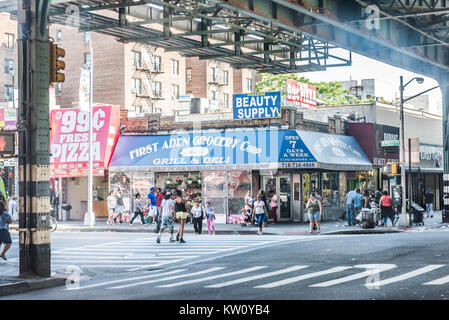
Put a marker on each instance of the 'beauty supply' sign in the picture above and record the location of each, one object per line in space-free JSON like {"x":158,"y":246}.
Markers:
{"x":257,"y":105}
{"x":69,"y":138}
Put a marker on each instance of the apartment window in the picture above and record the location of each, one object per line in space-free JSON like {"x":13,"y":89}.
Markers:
{"x":214,"y":95}
{"x":175,"y":67}
{"x":189,"y":75}
{"x":249,"y":84}
{"x":215,"y":72}
{"x":86,"y":36}
{"x":136,"y":59}
{"x":9,"y":40}
{"x":156,"y":86}
{"x":136,"y":86}
{"x":9,"y":93}
{"x":87,"y":60}
{"x":157,"y":64}
{"x":225,"y":99}
{"x":224,"y":75}
{"x":9,"y":66}
{"x":175,"y":91}
{"x":58,"y":35}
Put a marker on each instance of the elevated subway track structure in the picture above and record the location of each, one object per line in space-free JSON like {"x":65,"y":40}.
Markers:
{"x":204,"y":29}
{"x":277,"y":36}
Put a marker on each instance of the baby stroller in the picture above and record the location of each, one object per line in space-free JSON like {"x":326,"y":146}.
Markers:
{"x":366,"y":218}
{"x":247,"y":217}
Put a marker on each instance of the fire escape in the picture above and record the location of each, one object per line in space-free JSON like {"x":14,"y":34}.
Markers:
{"x":147,"y":70}
{"x":217,"y":83}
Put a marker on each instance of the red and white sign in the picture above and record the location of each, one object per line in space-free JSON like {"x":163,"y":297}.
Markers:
{"x":69,"y":140}
{"x":301,"y":94}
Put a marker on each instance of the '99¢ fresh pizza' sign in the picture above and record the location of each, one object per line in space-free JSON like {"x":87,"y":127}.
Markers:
{"x":69,"y":138}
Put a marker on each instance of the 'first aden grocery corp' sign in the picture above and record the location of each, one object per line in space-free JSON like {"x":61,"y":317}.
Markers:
{"x":257,"y":105}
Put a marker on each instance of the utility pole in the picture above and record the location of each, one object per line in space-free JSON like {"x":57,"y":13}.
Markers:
{"x":402,"y":152}
{"x":34,"y":138}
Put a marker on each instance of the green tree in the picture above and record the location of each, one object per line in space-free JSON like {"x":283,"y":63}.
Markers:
{"x":331,"y":93}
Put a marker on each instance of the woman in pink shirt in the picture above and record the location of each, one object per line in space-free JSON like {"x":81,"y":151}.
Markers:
{"x":274,"y":207}
{"x":386,"y":208}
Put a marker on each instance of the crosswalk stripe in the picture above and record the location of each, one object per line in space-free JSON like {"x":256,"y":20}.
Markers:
{"x":407,"y":275}
{"x":260,"y":276}
{"x":152,"y":275}
{"x":374,"y":268}
{"x":440,"y":281}
{"x":120,"y":261}
{"x":169,"y":278}
{"x":212,"y":277}
{"x":302,"y":277}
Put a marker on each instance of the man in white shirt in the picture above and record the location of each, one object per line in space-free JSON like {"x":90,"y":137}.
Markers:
{"x":12,"y":209}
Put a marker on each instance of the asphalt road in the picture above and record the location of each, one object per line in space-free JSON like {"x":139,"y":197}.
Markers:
{"x":408,"y":265}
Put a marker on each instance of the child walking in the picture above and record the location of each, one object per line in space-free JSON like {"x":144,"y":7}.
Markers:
{"x":210,"y":217}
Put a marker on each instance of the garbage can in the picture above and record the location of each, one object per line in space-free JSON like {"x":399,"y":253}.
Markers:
{"x":66,"y":211}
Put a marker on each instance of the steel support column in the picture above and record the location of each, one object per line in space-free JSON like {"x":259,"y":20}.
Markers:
{"x":444,"y":85}
{"x":34,"y":138}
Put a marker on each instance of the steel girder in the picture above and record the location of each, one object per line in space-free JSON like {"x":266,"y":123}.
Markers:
{"x":274,"y":44}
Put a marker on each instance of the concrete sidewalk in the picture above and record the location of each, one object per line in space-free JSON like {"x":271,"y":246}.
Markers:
{"x":290,"y":228}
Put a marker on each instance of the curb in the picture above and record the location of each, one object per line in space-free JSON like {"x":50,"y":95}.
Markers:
{"x":20,"y":285}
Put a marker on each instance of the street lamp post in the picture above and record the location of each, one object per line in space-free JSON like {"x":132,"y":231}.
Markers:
{"x":404,"y":216}
{"x":90,"y":215}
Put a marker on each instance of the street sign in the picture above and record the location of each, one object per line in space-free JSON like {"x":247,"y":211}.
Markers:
{"x":390,"y":143}
{"x":7,"y":143}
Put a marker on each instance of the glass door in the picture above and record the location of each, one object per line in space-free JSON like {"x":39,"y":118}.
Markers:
{"x":284,"y":197}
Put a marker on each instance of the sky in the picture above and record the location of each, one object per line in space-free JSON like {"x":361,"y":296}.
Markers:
{"x":386,"y":76}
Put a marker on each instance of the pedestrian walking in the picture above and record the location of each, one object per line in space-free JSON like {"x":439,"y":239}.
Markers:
{"x":159,"y":198}
{"x":166,"y":216}
{"x":259,"y":211}
{"x":5,"y":236}
{"x":350,"y":207}
{"x":12,"y":209}
{"x":358,"y":202}
{"x":120,"y":205}
{"x":264,"y":198}
{"x":386,"y":208}
{"x":197,"y":217}
{"x":138,"y":209}
{"x":366,"y":197}
{"x":181,"y":215}
{"x":112,"y":206}
{"x":274,"y":206}
{"x":210,"y":217}
{"x":428,"y":198}
{"x":315,"y":211}
{"x":152,"y":204}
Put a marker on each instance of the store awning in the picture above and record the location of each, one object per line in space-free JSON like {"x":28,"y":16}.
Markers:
{"x":238,"y":150}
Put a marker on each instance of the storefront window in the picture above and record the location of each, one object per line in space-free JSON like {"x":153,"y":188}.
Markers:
{"x":122,"y":180}
{"x":239,"y":183}
{"x":310,"y":183}
{"x":214,"y":190}
{"x":331,"y":196}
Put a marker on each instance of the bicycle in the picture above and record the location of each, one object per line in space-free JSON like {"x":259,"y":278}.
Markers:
{"x":53,"y":221}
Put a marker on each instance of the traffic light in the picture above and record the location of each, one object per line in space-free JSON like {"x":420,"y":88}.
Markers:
{"x":391,"y":169}
{"x":56,"y":65}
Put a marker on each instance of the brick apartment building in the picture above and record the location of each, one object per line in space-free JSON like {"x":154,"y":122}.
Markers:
{"x":217,"y":81}
{"x":143,"y":79}
{"x":8,"y":60}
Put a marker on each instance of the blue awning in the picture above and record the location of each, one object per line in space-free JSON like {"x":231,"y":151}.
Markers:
{"x":238,"y":150}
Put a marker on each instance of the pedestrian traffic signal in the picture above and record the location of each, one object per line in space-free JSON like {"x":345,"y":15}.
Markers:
{"x":56,"y":65}
{"x":7,"y":145}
